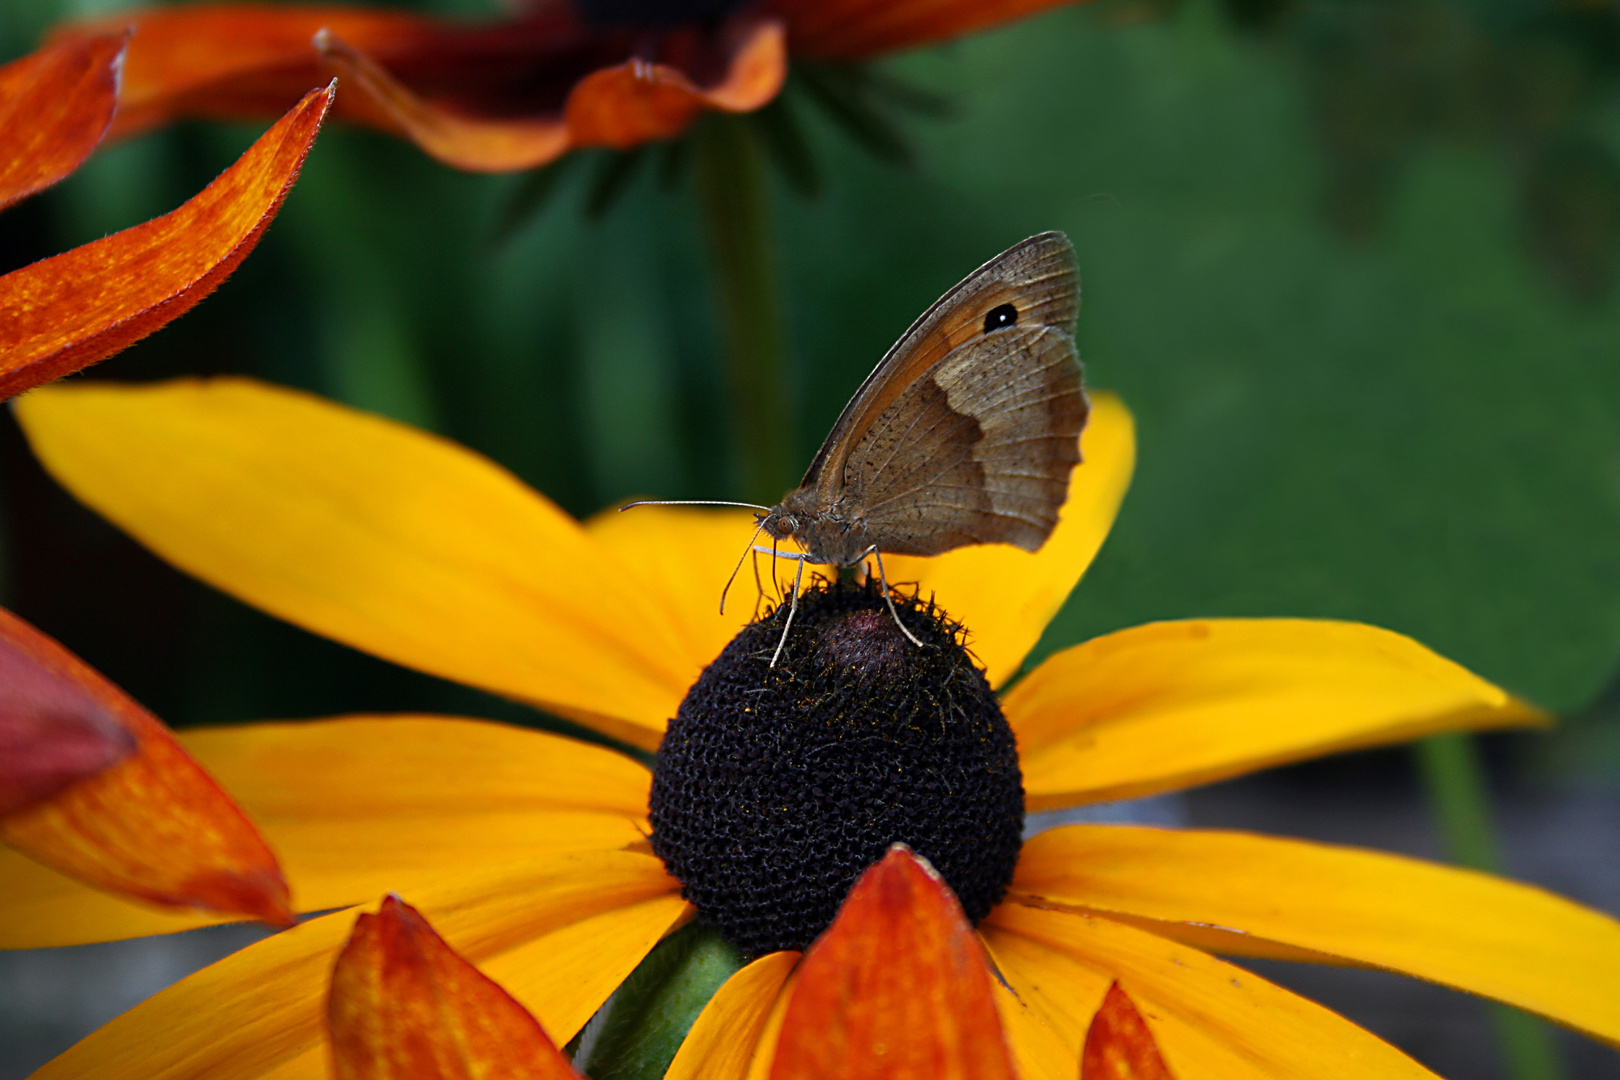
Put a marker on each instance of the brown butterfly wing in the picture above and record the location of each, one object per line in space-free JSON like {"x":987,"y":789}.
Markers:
{"x":964,"y":435}
{"x":1038,"y":277}
{"x":977,"y":451}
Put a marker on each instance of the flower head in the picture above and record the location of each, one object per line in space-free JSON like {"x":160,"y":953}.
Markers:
{"x":527,"y":851}
{"x":518,"y":93}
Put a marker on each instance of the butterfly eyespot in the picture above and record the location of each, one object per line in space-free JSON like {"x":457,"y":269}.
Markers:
{"x":1004,"y":315}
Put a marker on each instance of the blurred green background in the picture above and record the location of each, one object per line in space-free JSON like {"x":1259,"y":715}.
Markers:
{"x":1352,"y":264}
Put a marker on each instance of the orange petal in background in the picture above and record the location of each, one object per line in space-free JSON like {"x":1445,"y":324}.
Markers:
{"x":1119,"y":1045}
{"x":53,"y":730}
{"x":404,"y":1006}
{"x":55,"y":106}
{"x":897,"y":988}
{"x":66,"y":312}
{"x":154,"y":825}
{"x":240,"y":61}
{"x":621,"y":105}
{"x":861,"y":29}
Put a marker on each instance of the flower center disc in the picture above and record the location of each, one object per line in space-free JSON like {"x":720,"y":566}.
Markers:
{"x":775,"y":787}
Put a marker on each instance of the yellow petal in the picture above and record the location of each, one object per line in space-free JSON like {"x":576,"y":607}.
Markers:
{"x":358,"y":806}
{"x":371,"y":533}
{"x":1172,"y":704}
{"x":1212,"y":1020}
{"x":729,"y":1032}
{"x":259,"y":1012}
{"x":685,"y":556}
{"x":1006,"y":596}
{"x":1039,"y":1053}
{"x":1479,"y":933}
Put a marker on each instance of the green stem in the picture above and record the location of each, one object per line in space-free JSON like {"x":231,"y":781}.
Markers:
{"x":735,"y":199}
{"x":650,"y":1014}
{"x":1455,"y":778}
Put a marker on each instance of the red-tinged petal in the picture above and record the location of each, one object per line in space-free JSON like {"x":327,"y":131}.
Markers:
{"x":465,"y":142}
{"x":620,"y":105}
{"x":1119,"y":1045}
{"x":154,"y":825}
{"x":55,"y":106}
{"x":404,"y":1006}
{"x":54,"y":729}
{"x":859,"y":29}
{"x":63,"y":313}
{"x":637,"y":101}
{"x":242,"y":60}
{"x":897,"y":988}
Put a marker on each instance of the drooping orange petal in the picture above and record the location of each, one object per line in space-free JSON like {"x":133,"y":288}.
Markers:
{"x":1006,"y":596}
{"x":375,"y":534}
{"x":636,"y":101}
{"x":53,"y":728}
{"x":404,"y":1006}
{"x":861,"y":29}
{"x":581,"y":920}
{"x":477,"y":144}
{"x":63,"y":313}
{"x":1256,"y":895}
{"x":896,"y":988}
{"x":621,"y":105}
{"x":243,"y":60}
{"x":1119,"y":1045}
{"x":1212,"y":1020}
{"x":154,"y":825}
{"x":355,"y":806}
{"x":730,"y":1033}
{"x":1171,"y":704}
{"x":55,"y":106}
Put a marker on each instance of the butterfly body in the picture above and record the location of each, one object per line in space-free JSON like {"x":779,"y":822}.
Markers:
{"x":967,"y":429}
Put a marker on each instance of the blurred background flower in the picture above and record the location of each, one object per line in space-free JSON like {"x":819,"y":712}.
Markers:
{"x":1320,"y":245}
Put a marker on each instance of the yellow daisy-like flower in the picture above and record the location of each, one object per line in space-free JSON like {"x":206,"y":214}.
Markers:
{"x":527,"y":850}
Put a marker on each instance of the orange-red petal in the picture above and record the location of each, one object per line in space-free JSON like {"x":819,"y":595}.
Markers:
{"x":63,"y":313}
{"x":897,"y":988}
{"x":621,"y":105}
{"x":55,"y":106}
{"x":405,"y":1006}
{"x":861,"y":29}
{"x":53,"y":728}
{"x":153,"y":826}
{"x":488,"y":98}
{"x":242,"y":60}
{"x":1119,"y":1045}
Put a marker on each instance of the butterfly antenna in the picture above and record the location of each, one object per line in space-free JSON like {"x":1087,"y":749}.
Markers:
{"x":690,"y":502}
{"x":793,"y":609}
{"x":884,"y":579}
{"x":740,"y":558}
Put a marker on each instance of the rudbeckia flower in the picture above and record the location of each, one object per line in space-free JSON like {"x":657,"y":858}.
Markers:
{"x":534,"y":854}
{"x":63,"y":313}
{"x":518,"y":93}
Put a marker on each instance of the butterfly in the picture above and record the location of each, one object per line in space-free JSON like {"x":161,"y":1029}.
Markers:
{"x":964,"y":433}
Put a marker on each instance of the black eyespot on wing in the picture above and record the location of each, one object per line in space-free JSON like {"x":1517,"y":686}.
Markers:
{"x":1005,"y":315}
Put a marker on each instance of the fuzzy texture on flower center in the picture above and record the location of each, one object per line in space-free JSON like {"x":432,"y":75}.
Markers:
{"x":775,"y":787}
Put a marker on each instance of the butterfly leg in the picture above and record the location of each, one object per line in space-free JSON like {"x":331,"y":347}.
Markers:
{"x":793,"y":605}
{"x":883,"y":579}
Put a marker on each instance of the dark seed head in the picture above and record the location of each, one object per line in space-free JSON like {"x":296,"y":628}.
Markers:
{"x":775,"y":787}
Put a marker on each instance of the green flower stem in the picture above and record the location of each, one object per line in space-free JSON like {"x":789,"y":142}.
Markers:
{"x":652,"y":1011}
{"x":1455,"y":778}
{"x":733,"y":194}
